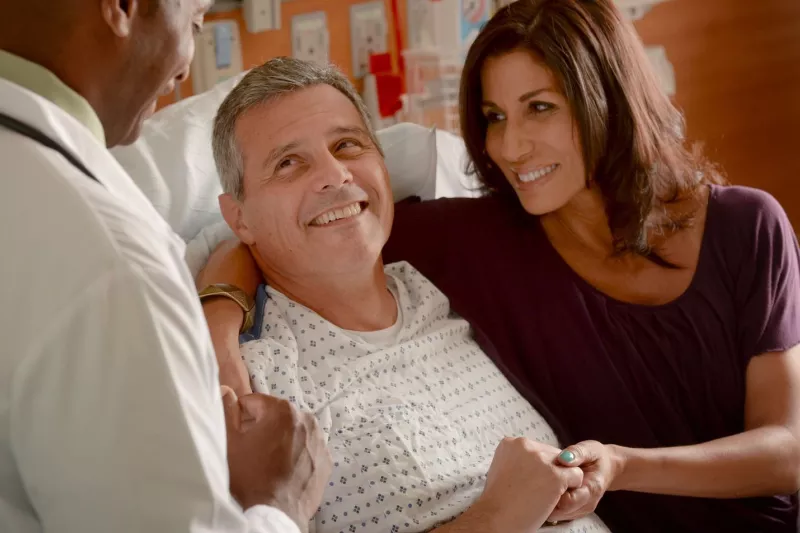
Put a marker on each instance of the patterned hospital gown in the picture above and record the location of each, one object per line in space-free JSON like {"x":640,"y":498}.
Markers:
{"x":412,"y":422}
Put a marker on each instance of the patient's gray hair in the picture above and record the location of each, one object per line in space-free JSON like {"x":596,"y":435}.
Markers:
{"x":274,"y":79}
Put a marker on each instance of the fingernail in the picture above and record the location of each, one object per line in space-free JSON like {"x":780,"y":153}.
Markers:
{"x":228,"y":394}
{"x":567,"y":456}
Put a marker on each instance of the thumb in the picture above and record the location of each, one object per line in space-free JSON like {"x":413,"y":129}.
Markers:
{"x":578,"y":454}
{"x":255,"y":406}
{"x":230,"y":403}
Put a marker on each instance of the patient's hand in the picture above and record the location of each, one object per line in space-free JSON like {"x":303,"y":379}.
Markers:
{"x":276,"y":455}
{"x":523,"y":486}
{"x":233,"y":264}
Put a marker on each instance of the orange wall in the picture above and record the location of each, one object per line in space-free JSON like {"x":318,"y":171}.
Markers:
{"x":259,"y":47}
{"x":737,"y":64}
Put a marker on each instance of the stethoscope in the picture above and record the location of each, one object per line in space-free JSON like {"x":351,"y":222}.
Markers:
{"x":32,"y":133}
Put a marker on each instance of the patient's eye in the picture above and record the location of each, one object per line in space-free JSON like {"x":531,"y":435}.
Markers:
{"x":540,"y":107}
{"x":349,"y":146}
{"x":285,"y":163}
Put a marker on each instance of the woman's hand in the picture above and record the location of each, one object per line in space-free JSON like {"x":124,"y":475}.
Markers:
{"x":600,"y":465}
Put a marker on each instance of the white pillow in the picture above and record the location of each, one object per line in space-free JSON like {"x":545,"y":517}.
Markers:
{"x":452,"y":180}
{"x":173,"y":165}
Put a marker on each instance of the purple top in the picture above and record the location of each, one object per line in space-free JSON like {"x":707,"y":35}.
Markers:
{"x":621,"y":373}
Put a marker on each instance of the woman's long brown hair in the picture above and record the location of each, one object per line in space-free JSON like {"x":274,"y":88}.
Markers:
{"x":631,"y":135}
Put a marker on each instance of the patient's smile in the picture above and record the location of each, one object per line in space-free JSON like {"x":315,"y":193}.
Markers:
{"x":343,"y":213}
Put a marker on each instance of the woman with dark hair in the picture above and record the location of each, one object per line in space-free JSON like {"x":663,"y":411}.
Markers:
{"x":651,"y":308}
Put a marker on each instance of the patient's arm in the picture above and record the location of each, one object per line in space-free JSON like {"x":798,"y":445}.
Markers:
{"x":230,"y":263}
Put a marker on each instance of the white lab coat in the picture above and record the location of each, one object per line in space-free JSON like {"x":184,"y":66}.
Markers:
{"x":110,"y":415}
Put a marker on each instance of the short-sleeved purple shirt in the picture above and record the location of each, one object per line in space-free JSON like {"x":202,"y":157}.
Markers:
{"x":621,"y":373}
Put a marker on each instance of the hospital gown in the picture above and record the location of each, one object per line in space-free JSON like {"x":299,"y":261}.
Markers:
{"x":413,"y":414}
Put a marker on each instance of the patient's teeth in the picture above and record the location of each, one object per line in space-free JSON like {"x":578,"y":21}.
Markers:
{"x":337,"y":214}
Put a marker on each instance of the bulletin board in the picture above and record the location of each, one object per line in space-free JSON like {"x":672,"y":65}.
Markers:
{"x":257,"y":48}
{"x":311,"y":38}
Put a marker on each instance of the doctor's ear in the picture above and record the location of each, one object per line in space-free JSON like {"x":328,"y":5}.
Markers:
{"x":119,"y":15}
{"x":233,"y":215}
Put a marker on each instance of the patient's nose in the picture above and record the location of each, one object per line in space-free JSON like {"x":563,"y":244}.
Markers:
{"x":332,"y":174}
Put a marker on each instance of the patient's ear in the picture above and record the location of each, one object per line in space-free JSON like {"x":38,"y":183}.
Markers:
{"x":234,"y":216}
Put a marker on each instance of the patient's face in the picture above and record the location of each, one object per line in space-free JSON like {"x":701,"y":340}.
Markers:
{"x":317,"y":199}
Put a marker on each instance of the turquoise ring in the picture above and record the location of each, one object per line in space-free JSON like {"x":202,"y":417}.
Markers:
{"x":567,"y":456}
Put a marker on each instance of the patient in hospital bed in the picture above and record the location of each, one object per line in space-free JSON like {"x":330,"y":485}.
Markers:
{"x":412,"y":407}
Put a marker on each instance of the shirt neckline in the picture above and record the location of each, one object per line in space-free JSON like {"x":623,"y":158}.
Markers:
{"x":701,"y":262}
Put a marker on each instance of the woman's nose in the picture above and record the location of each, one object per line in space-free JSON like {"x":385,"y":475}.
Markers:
{"x":516,"y":143}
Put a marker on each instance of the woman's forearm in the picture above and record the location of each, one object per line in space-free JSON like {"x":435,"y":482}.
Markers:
{"x":224,"y":319}
{"x":760,"y":462}
{"x":233,"y":264}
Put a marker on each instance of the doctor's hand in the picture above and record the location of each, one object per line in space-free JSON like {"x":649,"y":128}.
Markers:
{"x":600,"y":467}
{"x":276,"y":455}
{"x":524,"y":485}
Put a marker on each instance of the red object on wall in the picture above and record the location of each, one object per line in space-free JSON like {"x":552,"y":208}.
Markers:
{"x":390,"y":87}
{"x":380,"y":63}
{"x":398,"y":41}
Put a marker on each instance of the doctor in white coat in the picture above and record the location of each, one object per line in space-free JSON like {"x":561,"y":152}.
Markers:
{"x":111,"y":418}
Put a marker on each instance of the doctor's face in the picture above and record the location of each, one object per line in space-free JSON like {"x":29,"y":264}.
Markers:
{"x":317,"y":199}
{"x":158,"y":54}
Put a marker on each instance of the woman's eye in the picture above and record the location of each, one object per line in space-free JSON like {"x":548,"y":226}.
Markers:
{"x":493,"y":117}
{"x":197,"y":28}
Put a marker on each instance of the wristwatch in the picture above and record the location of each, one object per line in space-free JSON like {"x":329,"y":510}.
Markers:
{"x":232,"y":292}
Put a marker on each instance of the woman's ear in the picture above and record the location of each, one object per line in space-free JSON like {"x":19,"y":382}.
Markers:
{"x":119,"y":15}
{"x":234,"y":216}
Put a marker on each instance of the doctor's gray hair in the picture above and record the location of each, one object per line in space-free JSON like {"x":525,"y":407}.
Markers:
{"x":275,"y":78}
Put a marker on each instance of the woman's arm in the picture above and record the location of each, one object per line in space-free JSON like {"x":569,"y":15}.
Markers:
{"x":224,"y":319}
{"x":764,"y":460}
{"x":231,"y":263}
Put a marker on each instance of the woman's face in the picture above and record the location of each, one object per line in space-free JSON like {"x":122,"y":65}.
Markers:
{"x":531,"y":135}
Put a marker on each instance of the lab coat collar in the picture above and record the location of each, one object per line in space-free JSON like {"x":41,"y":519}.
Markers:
{"x":30,"y":108}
